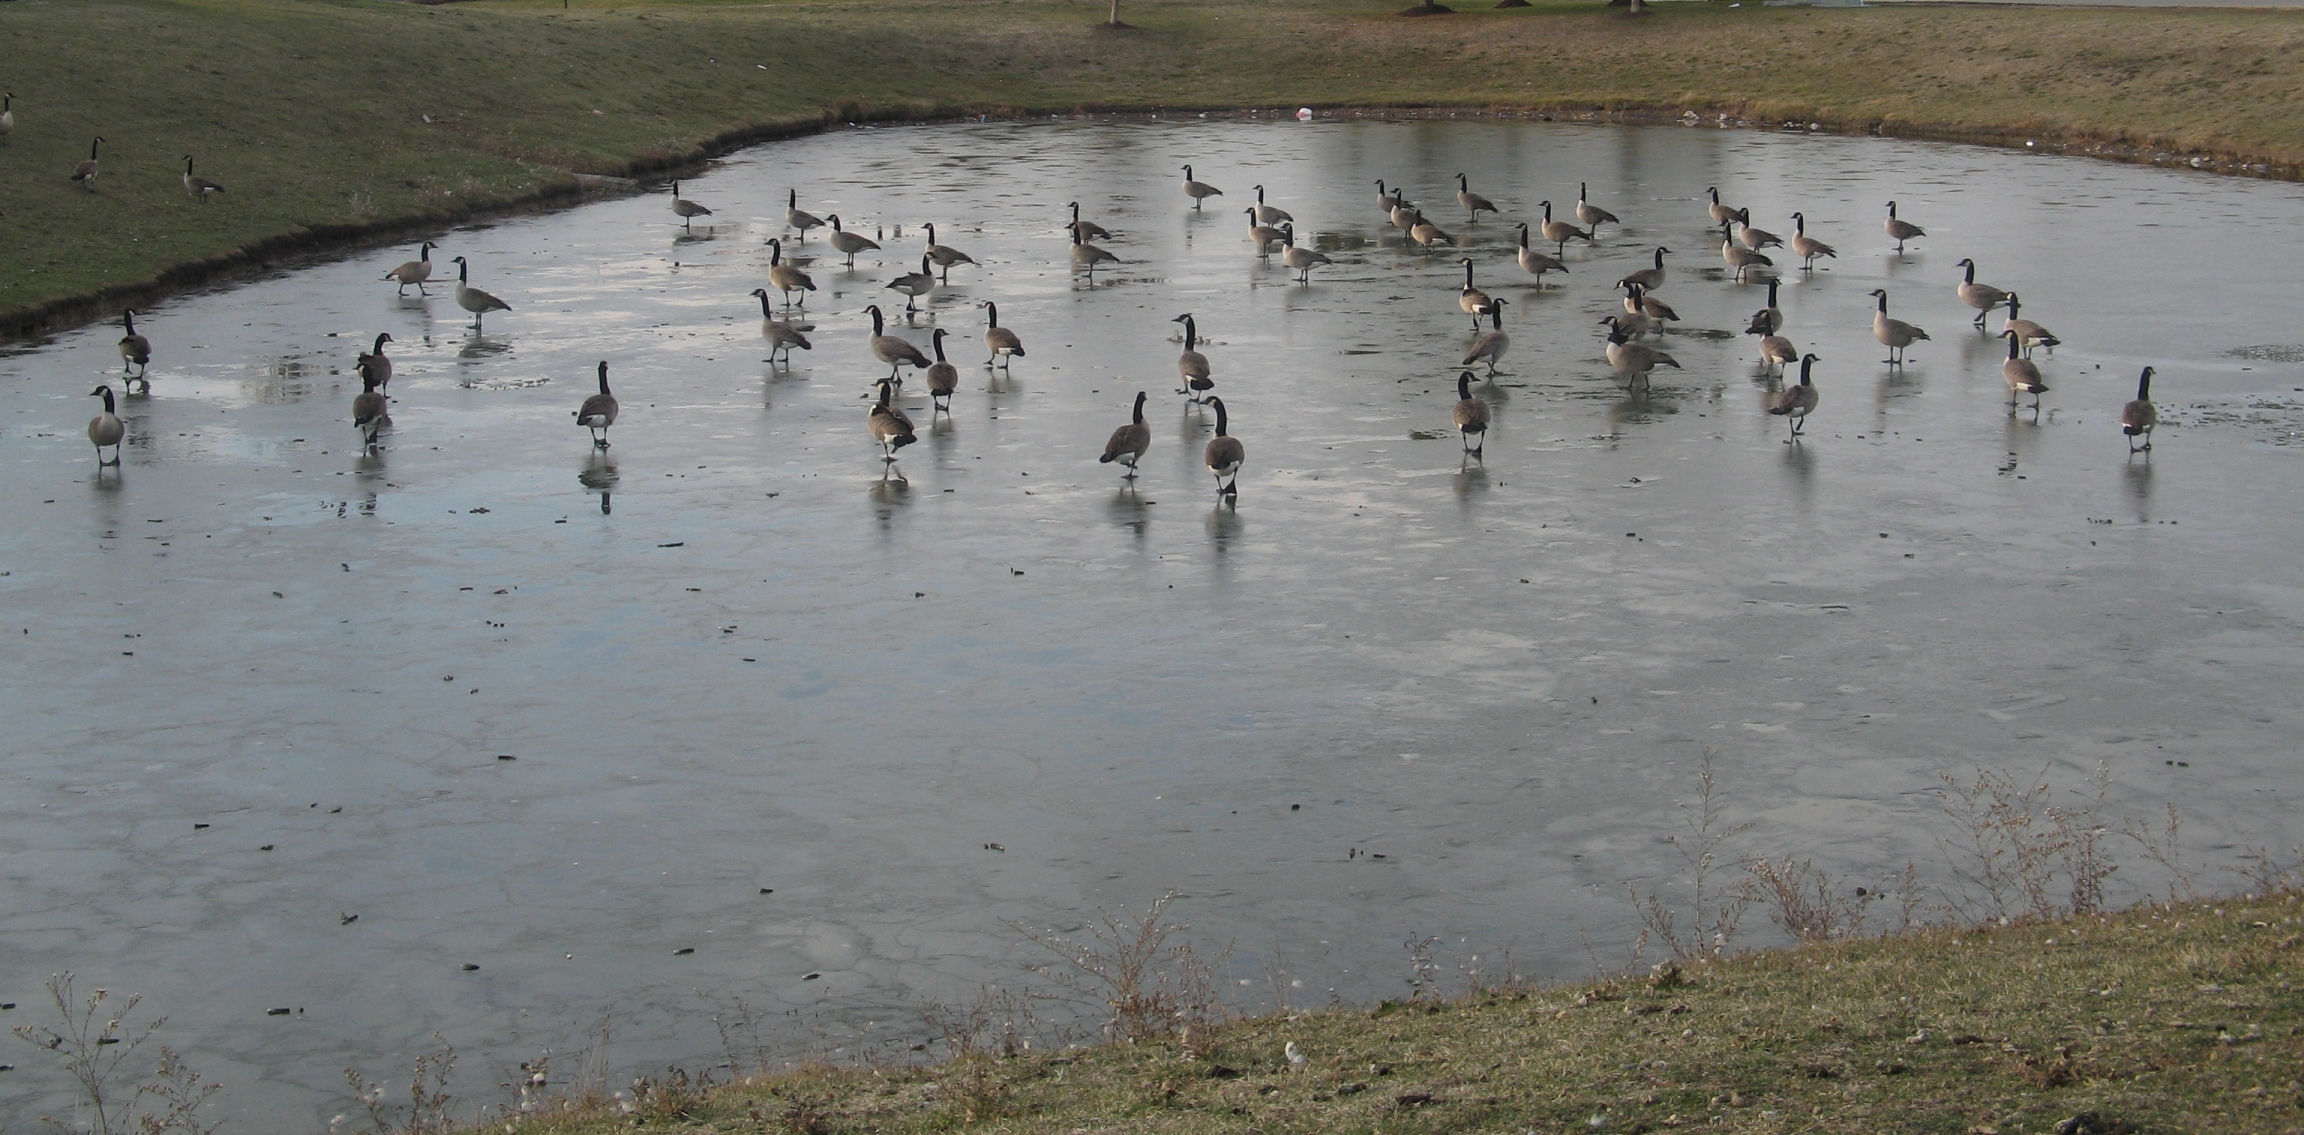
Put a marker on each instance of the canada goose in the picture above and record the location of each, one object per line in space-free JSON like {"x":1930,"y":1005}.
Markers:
{"x":1741,"y":259}
{"x":848,"y":242}
{"x":1894,"y":334}
{"x":781,"y":336}
{"x":892,"y":350}
{"x":85,"y":172}
{"x":2032,"y":334}
{"x":1637,"y":301}
{"x":999,"y":340}
{"x":599,"y":411}
{"x":134,"y":349}
{"x":1592,"y":215}
{"x":1386,"y":199}
{"x":1721,"y":214}
{"x":1225,"y":453}
{"x":105,"y":428}
{"x":1303,"y":260}
{"x":1806,"y":247}
{"x":1982,"y":297}
{"x":1428,"y":234}
{"x":1086,"y":229}
{"x":1198,"y":191}
{"x":1269,"y":214}
{"x":890,"y":427}
{"x":943,"y":378}
{"x":1638,"y":324}
{"x":795,"y":218}
{"x":1536,"y":263}
{"x":1771,"y":317}
{"x":472,"y":299}
{"x":1473,"y":301}
{"x":369,"y":411}
{"x":787,"y":278}
{"x":1901,"y":230}
{"x":685,"y":209}
{"x":373,"y":363}
{"x":1561,"y":232}
{"x":1088,"y":256}
{"x":1404,"y":215}
{"x":1649,"y":279}
{"x":1129,"y":441}
{"x":1473,"y":202}
{"x":2021,"y":375}
{"x":7,"y":114}
{"x":414,"y":271}
{"x":1796,"y":402}
{"x":1261,"y":235}
{"x":2136,"y":418}
{"x":1633,"y":360}
{"x":1470,"y":416}
{"x":1775,"y":350}
{"x":1491,"y":346}
{"x":912,"y":284}
{"x":198,"y":186}
{"x":1752,"y":238}
{"x":945,"y":256}
{"x":1192,"y":366}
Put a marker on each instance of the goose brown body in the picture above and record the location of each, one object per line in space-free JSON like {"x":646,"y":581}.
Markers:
{"x":85,"y":172}
{"x":1797,"y":402}
{"x":1894,"y":334}
{"x":945,"y":256}
{"x":370,"y":412}
{"x":999,"y":340}
{"x":2139,"y":417}
{"x":1268,"y":214}
{"x":374,"y":363}
{"x":1472,"y":202}
{"x":135,"y":349}
{"x":781,"y":336}
{"x":1470,"y":416}
{"x":1490,"y":347}
{"x":414,"y":271}
{"x":1650,"y":278}
{"x":598,"y":411}
{"x":943,"y":378}
{"x":1533,"y":262}
{"x":891,"y":349}
{"x":2021,"y":374}
{"x":1224,"y":454}
{"x":106,"y":429}
{"x":2027,"y":332}
{"x":788,"y":279}
{"x":1191,"y":365}
{"x":1303,"y":260}
{"x":197,"y":185}
{"x":1589,"y":215}
{"x":1129,"y":442}
{"x":472,"y":299}
{"x":797,"y":219}
{"x":1982,"y":297}
{"x":1806,"y":247}
{"x":847,"y":242}
{"x":1900,"y":230}
{"x":685,"y":209}
{"x":1198,"y":191}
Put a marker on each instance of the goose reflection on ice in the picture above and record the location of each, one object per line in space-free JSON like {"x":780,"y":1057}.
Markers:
{"x":598,"y":474}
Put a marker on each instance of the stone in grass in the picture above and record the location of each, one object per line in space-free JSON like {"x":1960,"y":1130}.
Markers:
{"x":1429,"y":8}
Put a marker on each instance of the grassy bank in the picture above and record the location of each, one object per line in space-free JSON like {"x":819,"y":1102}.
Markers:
{"x":2184,"y":1018}
{"x":333,"y":121}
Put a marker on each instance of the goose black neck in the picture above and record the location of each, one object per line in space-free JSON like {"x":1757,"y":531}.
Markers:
{"x":1523,"y":236}
{"x":937,"y":341}
{"x":883,"y":394}
{"x":791,"y":198}
{"x":378,"y":349}
{"x":1223,"y":421}
{"x":2143,"y":388}
{"x":128,"y":321}
{"x":1772,"y":293}
{"x":603,"y":376}
{"x":1883,"y":298}
{"x":878,"y":325}
{"x":1138,"y":415}
{"x":931,"y":233}
{"x":1659,"y":259}
{"x":765,"y":311}
{"x":1807,"y":364}
{"x":106,"y":391}
{"x":1464,"y":386}
{"x":1968,"y":272}
{"x":2013,"y":305}
{"x":775,"y":253}
{"x":463,"y":272}
{"x":2012,"y":344}
{"x":991,"y":314}
{"x":1467,"y":275}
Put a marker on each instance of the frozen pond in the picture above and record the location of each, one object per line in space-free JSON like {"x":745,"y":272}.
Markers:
{"x":840,"y":736}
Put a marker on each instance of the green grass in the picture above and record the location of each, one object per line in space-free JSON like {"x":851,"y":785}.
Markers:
{"x":2186,"y":1018}
{"x":312,"y":112}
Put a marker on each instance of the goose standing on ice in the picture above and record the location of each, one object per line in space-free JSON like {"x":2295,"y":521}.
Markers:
{"x":1894,"y":334}
{"x":374,"y":363}
{"x":788,"y":279}
{"x":1982,"y":297}
{"x":1535,"y":263}
{"x":794,"y":218}
{"x":370,"y":413}
{"x":2137,"y":418}
{"x":685,"y":209}
{"x":1900,"y":230}
{"x":1192,"y":366}
{"x":1198,"y":191}
{"x":599,"y":411}
{"x":999,"y":340}
{"x":1797,"y":402}
{"x":945,"y":256}
{"x":135,"y":350}
{"x":1473,"y":202}
{"x":1589,"y":215}
{"x":1303,"y":260}
{"x":105,"y":429}
{"x":1806,"y":247}
{"x":1129,"y":441}
{"x":2021,"y":375}
{"x":414,"y":271}
{"x":1490,"y":347}
{"x":781,"y":336}
{"x":890,"y":349}
{"x":1224,"y":454}
{"x":472,"y":299}
{"x":1471,"y":417}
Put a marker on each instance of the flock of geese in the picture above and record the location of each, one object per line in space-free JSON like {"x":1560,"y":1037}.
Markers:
{"x":1633,"y":357}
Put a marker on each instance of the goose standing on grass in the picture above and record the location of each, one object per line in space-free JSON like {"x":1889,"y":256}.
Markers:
{"x":1561,"y":232}
{"x":787,"y":278}
{"x":1473,"y":203}
{"x":1192,"y":366}
{"x":892,"y":350}
{"x":945,"y":256}
{"x":1224,"y":453}
{"x":1490,"y":347}
{"x":685,"y":209}
{"x":1776,"y":351}
{"x":1088,"y":256}
{"x":472,"y":299}
{"x":599,"y":411}
{"x":1633,"y":360}
{"x":196,"y":185}
{"x":1982,"y":297}
{"x":1721,"y":214}
{"x":1637,"y":301}
{"x":414,"y":271}
{"x":1741,"y":260}
{"x":7,"y":114}
{"x":2137,"y":418}
{"x":794,"y":218}
{"x":1894,"y":334}
{"x":781,"y":336}
{"x":1087,"y":229}
{"x":1536,"y":263}
{"x":999,"y":340}
{"x":1471,"y":300}
{"x":135,"y":350}
{"x":1649,"y":279}
{"x":2021,"y":375}
{"x":1797,"y":402}
{"x":105,"y":428}
{"x":85,"y":172}
{"x":1806,"y":247}
{"x":1752,"y":238}
{"x":1470,"y":416}
{"x":2030,"y":333}
{"x":370,"y":413}
{"x":1303,"y":260}
{"x":1770,"y":318}
{"x":1261,"y":235}
{"x":373,"y":363}
{"x":1198,"y":191}
{"x":1426,"y":233}
{"x":848,"y":242}
{"x":1269,"y":214}
{"x":1900,"y":230}
{"x":891,"y":428}
{"x":1129,"y":441}
{"x":914,"y":284}
{"x":943,"y":378}
{"x":1592,"y":216}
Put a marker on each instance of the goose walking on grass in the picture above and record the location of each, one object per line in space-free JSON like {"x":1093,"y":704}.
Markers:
{"x":1427,"y":234}
{"x":1651,"y":278}
{"x":914,"y":284}
{"x":105,"y":429}
{"x":1490,"y":348}
{"x":472,"y":299}
{"x":1982,"y":297}
{"x":1472,"y":301}
{"x":1900,"y":230}
{"x":1192,"y":366}
{"x":945,"y":256}
{"x":1589,"y":215}
{"x":999,"y":340}
{"x":197,"y":185}
{"x":374,"y":363}
{"x":891,"y":428}
{"x":787,"y":278}
{"x":414,"y":271}
{"x":1471,"y":417}
{"x":1198,"y":191}
{"x":85,"y":172}
{"x":794,"y":218}
{"x":1129,"y":441}
{"x":1088,"y":256}
{"x":1269,"y":214}
{"x":1472,"y":202}
{"x":685,"y":209}
{"x":1741,"y":260}
{"x":2137,"y":418}
{"x":848,"y":242}
{"x":1561,"y":232}
{"x":2021,"y":375}
{"x":1894,"y":334}
{"x":1633,"y":360}
{"x":1087,"y":229}
{"x":1752,"y":238}
{"x":890,"y":349}
{"x":781,"y":336}
{"x":1261,"y":235}
{"x":1806,"y":247}
{"x":1303,"y":260}
{"x":599,"y":411}
{"x":370,"y":412}
{"x":2029,"y":333}
{"x":1224,"y":453}
{"x":135,"y":350}
{"x":943,"y":378}
{"x":1536,"y":263}
{"x":1797,"y":402}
